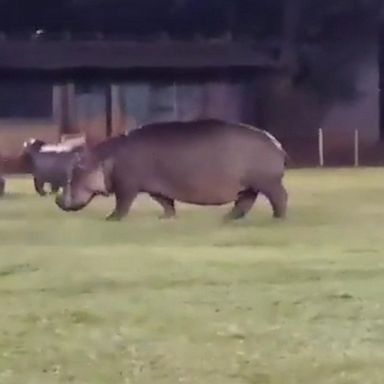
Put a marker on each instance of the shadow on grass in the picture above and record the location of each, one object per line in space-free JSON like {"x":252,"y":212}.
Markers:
{"x":11,"y":196}
{"x":80,"y":316}
{"x":107,"y":285}
{"x":273,"y":276}
{"x":17,"y":269}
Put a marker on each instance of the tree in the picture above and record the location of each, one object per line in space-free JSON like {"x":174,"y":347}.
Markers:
{"x":324,"y":42}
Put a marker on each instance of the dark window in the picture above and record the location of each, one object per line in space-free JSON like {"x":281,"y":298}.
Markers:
{"x":84,"y":88}
{"x":23,"y":100}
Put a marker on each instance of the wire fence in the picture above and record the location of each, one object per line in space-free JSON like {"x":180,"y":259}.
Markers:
{"x":324,"y":150}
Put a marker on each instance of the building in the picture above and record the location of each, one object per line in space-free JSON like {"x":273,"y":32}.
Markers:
{"x":102,"y":88}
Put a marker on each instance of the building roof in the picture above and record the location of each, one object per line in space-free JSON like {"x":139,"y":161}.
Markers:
{"x":115,"y":55}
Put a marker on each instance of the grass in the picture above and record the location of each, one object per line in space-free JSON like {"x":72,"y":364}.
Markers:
{"x":194,"y":300}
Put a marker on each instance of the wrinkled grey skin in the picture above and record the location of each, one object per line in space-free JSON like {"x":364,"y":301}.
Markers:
{"x":206,"y":162}
{"x":47,"y":167}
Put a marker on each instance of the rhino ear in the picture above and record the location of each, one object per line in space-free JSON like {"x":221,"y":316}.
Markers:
{"x":29,"y":142}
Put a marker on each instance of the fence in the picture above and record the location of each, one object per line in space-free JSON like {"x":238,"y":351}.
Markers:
{"x":348,"y":149}
{"x":353,"y":148}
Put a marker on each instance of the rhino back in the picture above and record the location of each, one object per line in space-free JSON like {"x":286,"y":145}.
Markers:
{"x":207,"y":142}
{"x":214,"y":158}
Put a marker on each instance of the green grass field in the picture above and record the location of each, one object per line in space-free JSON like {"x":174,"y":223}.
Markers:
{"x":195,"y":300}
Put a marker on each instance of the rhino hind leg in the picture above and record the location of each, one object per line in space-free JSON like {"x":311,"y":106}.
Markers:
{"x":278,"y":198}
{"x":167,"y":204}
{"x":243,"y":205}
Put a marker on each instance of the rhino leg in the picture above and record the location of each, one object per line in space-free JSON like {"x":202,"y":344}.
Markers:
{"x":243,"y":204}
{"x":54,"y":188}
{"x":278,"y":198}
{"x":39,"y":186}
{"x":124,"y":201}
{"x":167,"y":204}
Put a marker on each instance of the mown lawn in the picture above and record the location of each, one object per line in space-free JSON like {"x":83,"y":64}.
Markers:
{"x":195,"y":300}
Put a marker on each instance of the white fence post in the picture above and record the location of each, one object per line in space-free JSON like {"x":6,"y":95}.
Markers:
{"x":356,"y":148}
{"x":321,"y":148}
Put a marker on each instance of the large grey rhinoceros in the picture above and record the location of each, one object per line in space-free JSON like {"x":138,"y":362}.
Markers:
{"x":203,"y":162}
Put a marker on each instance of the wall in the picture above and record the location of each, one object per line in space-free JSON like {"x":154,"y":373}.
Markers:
{"x":138,"y":103}
{"x":26,"y":110}
{"x":147,"y":102}
{"x":13,"y":132}
{"x":90,"y":108}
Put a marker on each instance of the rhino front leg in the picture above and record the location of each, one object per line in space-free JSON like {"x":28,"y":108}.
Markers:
{"x":123,"y":204}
